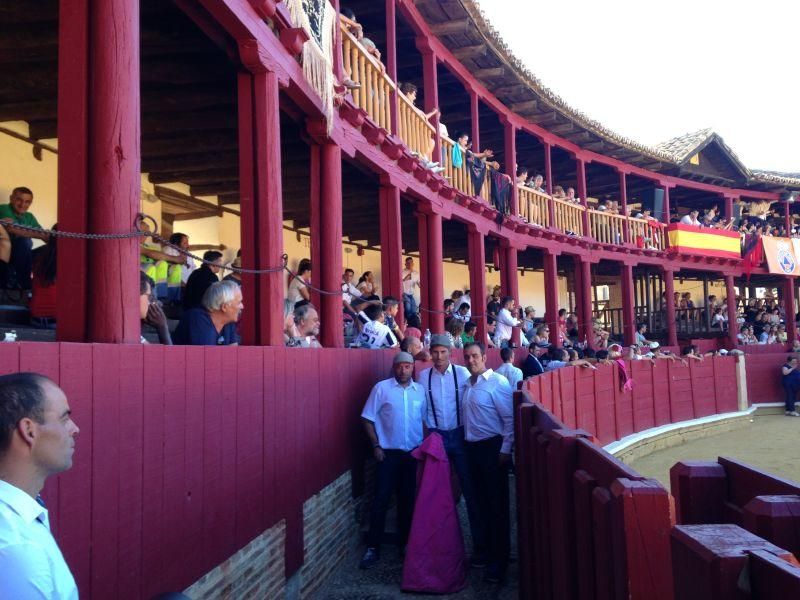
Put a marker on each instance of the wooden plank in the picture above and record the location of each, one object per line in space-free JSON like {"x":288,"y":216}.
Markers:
{"x":249,"y":443}
{"x":9,"y":358}
{"x":269,"y":411}
{"x":314,"y":461}
{"x":585,"y":416}
{"x":604,"y":382}
{"x":213,"y":490}
{"x":227,"y":539}
{"x":193,"y":421}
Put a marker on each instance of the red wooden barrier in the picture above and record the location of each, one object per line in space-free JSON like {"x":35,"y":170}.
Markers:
{"x":771,"y":577}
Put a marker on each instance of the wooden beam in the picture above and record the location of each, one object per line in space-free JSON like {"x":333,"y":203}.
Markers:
{"x":200,"y":214}
{"x":189,"y":203}
{"x":454,"y":27}
{"x":563,"y":128}
{"x":214,"y":189}
{"x":526,"y":106}
{"x":489,"y":73}
{"x":468,"y":52}
{"x":545,"y":117}
{"x":228,"y":199}
{"x":505,"y":90}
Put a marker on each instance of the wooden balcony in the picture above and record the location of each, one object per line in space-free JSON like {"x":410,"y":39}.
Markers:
{"x":647,"y":233}
{"x":606,"y":227}
{"x":374,"y":95}
{"x":534,"y":207}
{"x":569,"y":217}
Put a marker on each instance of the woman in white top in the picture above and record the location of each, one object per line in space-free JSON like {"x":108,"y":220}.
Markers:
{"x":298,"y":289}
{"x":366,"y":284}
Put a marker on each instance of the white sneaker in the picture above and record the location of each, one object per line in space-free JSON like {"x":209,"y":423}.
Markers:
{"x":792,"y":413}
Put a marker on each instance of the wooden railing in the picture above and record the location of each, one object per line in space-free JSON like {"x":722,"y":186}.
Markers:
{"x":647,"y":233}
{"x":569,"y":217}
{"x":415,"y":130}
{"x":458,"y":176}
{"x":534,"y":206}
{"x":374,"y":95}
{"x":606,"y":227}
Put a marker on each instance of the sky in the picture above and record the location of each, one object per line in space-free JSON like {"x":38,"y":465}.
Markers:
{"x":652,"y":70}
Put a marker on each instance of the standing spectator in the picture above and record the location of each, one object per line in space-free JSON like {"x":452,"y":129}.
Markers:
{"x":493,"y":304}
{"x":392,"y":418}
{"x":448,"y":308}
{"x":489,"y":433}
{"x":532,"y":365}
{"x":507,"y":369}
{"x":201,"y":279}
{"x":562,"y":325}
{"x":505,"y":322}
{"x":298,"y":286}
{"x":150,"y":311}
{"x":790,"y":378}
{"x":528,"y":322}
{"x":410,"y":287}
{"x":37,"y":440}
{"x":235,"y":276}
{"x":214,"y":322}
{"x":305,"y":327}
{"x":444,"y":383}
{"x":17,"y":212}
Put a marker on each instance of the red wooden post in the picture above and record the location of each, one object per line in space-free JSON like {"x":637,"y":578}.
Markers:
{"x":431,"y":92}
{"x":733,"y":326}
{"x":582,"y":192}
{"x":790,"y":306}
{"x":509,"y":280}
{"x":551,"y":293}
{"x":623,"y":198}
{"x":666,"y":203}
{"x":391,"y":244}
{"x":435,"y":276}
{"x":628,"y":313}
{"x":583,"y":268}
{"x":548,"y":172}
{"x":73,"y":167}
{"x":424,"y":271}
{"x":102,"y":158}
{"x":475,"y":120}
{"x":338,"y":67}
{"x":477,"y":279}
{"x":329,"y":239}
{"x":669,"y":307}
{"x":700,"y":491}
{"x":510,"y":137}
{"x":787,"y":219}
{"x":728,"y":209}
{"x":391,"y":61}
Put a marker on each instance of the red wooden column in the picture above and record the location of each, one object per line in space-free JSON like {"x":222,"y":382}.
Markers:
{"x":669,"y":307}
{"x":509,"y":279}
{"x":391,"y":244}
{"x":431,"y":91}
{"x":628,"y":312}
{"x":99,"y":169}
{"x":435,"y":273}
{"x":787,"y":218}
{"x":790,"y":308}
{"x":548,"y":183}
{"x":261,"y":197}
{"x":583,"y":270}
{"x":510,"y":138}
{"x":475,"y":120}
{"x":623,"y":198}
{"x":391,"y":61}
{"x":727,"y":206}
{"x":551,"y":293}
{"x":733,"y":326}
{"x":424,"y":272}
{"x":581,"y":174}
{"x":477,"y":278}
{"x":326,"y":235}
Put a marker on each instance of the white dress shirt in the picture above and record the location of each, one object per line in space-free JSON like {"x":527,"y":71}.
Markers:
{"x":687,"y":220}
{"x":510,"y":372}
{"x":488,"y":410}
{"x":31,"y":565}
{"x":410,"y":285}
{"x":443,"y":392}
{"x":396,"y":412}
{"x":349,"y":291}
{"x":375,"y":335}
{"x":504,"y":324}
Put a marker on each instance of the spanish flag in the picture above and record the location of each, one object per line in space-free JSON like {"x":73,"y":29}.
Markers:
{"x":689,"y":239}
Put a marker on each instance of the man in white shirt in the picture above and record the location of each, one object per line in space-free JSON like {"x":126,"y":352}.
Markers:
{"x":349,"y":292}
{"x":37,"y":440}
{"x":505,"y":322}
{"x":508,"y":370}
{"x":393,"y":417}
{"x":488,"y":416}
{"x":410,"y":287}
{"x":691,"y":218}
{"x":375,"y":334}
{"x":443,"y":384}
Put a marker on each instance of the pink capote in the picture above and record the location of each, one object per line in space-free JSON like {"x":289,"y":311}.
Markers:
{"x":435,"y":557}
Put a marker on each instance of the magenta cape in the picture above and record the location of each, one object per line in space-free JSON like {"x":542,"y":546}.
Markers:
{"x":435,"y":558}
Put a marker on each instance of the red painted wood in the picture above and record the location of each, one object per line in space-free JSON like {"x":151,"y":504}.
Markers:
{"x":580,"y":167}
{"x":391,"y":60}
{"x":566,"y":378}
{"x":424,"y":276}
{"x":604,"y":384}
{"x":194,"y":420}
{"x":551,"y":294}
{"x":391,"y":244}
{"x":628,"y":302}
{"x":73,"y":166}
{"x":703,"y":384}
{"x":733,"y":326}
{"x":669,"y":294}
{"x":642,"y":397}
{"x":435,"y":275}
{"x":509,"y":266}
{"x":623,"y":200}
{"x":247,"y":207}
{"x":789,"y":304}
{"x":583,"y":273}
{"x":510,"y":160}
{"x":430,"y":94}
{"x":474,"y":113}
{"x":329,"y":238}
{"x":476,"y":252}
{"x":680,"y":392}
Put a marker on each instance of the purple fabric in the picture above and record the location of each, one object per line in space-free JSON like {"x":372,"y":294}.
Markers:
{"x":435,"y":557}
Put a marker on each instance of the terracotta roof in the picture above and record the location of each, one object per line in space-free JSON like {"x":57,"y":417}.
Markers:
{"x":672,"y":153}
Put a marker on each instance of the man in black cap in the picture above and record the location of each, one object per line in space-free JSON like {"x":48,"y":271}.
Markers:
{"x":443,"y":384}
{"x":393,"y":420}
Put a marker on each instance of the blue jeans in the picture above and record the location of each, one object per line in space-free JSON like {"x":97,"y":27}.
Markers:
{"x":409,"y":305}
{"x":22,"y":260}
{"x":456,"y":454}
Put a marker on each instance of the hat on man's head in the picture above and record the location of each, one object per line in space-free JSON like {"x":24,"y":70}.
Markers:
{"x":440,"y":339}
{"x":654,"y":345}
{"x":403,"y":357}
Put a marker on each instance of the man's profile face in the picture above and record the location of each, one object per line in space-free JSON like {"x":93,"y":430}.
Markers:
{"x":310,"y":325}
{"x":20,"y":202}
{"x":409,"y":263}
{"x":440,"y":355}
{"x":414,"y":346}
{"x":54,"y":439}
{"x":403,"y":372}
{"x":475,"y":360}
{"x":216,"y":266}
{"x":392,"y":310}
{"x":233,"y":309}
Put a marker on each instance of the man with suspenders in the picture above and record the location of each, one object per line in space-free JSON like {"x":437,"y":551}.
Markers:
{"x":444,"y":392}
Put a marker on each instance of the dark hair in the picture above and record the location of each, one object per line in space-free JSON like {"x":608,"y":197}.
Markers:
{"x":406,"y":341}
{"x":413,"y":321}
{"x":364,"y":275}
{"x":373,"y":311}
{"x":601,"y":354}
{"x":303,"y":266}
{"x":640,"y":326}
{"x":562,"y":312}
{"x":21,"y":396}
{"x":408,"y":88}
{"x":448,"y":302}
{"x":791,"y":357}
{"x":521,"y":170}
{"x":463,"y":305}
{"x":389,"y":301}
{"x":21,"y":190}
{"x":46,"y":259}
{"x":506,"y":354}
{"x":348,"y":270}
{"x":300,"y":303}
{"x":212,"y":255}
{"x":688,"y":349}
{"x":461,"y":134}
{"x":479,"y":345}
{"x":176,"y":238}
{"x":144,"y":281}
{"x":347,"y":12}
{"x":301,"y":312}
{"x":506,"y":300}
{"x":470,"y":326}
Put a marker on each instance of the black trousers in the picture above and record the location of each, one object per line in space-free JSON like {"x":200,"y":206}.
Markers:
{"x":396,"y":473}
{"x":490,"y":482}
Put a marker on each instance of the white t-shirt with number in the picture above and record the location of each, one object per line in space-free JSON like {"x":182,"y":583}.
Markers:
{"x":376,"y":335}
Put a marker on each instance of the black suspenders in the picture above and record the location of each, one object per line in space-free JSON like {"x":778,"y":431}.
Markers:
{"x":430,"y":397}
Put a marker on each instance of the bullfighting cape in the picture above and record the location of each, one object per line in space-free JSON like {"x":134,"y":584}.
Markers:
{"x":435,"y":558}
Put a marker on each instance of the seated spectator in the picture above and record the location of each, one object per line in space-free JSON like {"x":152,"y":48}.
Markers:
{"x":150,"y":311}
{"x":298,"y":286}
{"x":454,"y":329}
{"x":409,"y":90}
{"x":529,"y":322}
{"x":201,"y":279}
{"x":719,"y":320}
{"x":213,"y":323}
{"x":559,"y":358}
{"x":532,"y":365}
{"x":522,"y":177}
{"x":570,"y":197}
{"x":351,"y":295}
{"x":348,"y":18}
{"x":413,"y":345}
{"x":641,"y":332}
{"x":462,"y":151}
{"x":43,"y":298}
{"x":235,"y":276}
{"x":448,"y":308}
{"x":542,"y":335}
{"x":537,"y":184}
{"x":468,"y":336}
{"x":780,"y":334}
{"x":600,"y":335}
{"x":462,"y":313}
{"x":5,"y":256}
{"x":391,"y":306}
{"x":558,"y":193}
{"x":17,"y":212}
{"x":305,"y":327}
{"x":507,"y":369}
{"x":691,"y":218}
{"x":366,"y":284}
{"x":375,"y":334}
{"x":691,"y":352}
